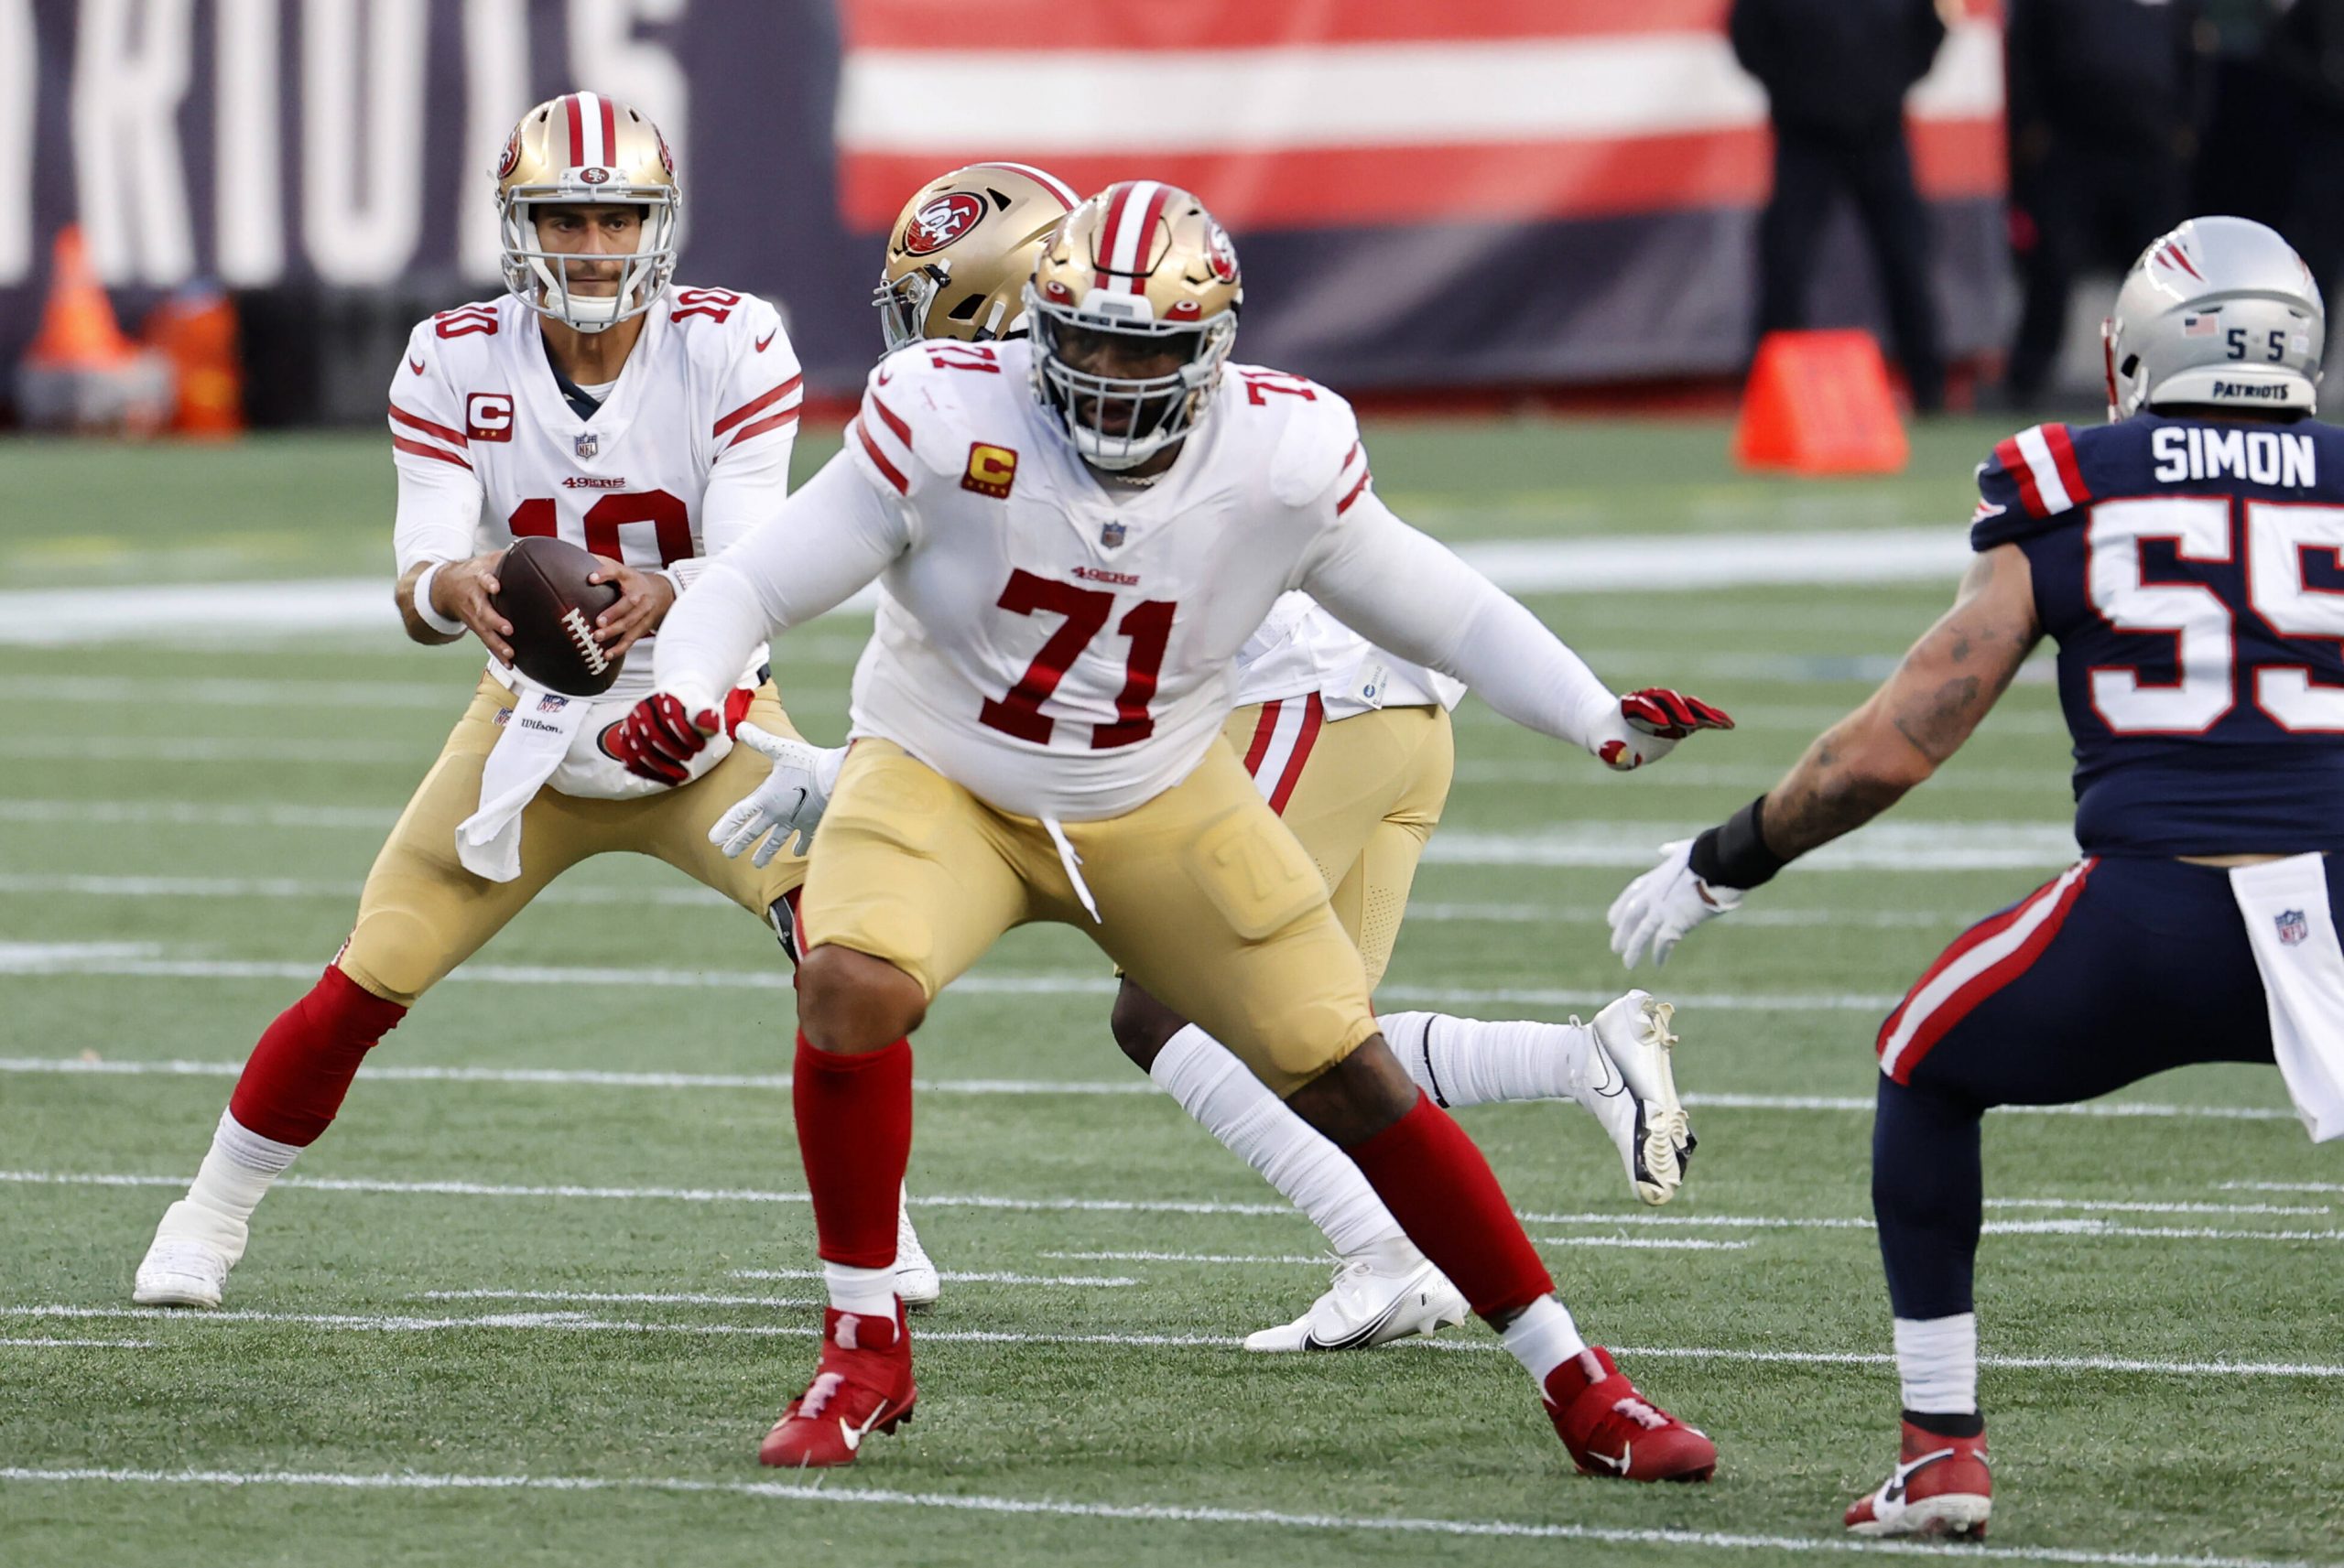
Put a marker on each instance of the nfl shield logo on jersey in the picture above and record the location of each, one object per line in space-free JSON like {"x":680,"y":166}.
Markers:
{"x":590,"y":443}
{"x":1110,"y":535}
{"x":2292,"y":927}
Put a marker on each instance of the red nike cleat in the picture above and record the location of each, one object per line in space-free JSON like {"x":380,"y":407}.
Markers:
{"x":1612,"y":1429}
{"x":1941,"y":1485}
{"x":863,"y":1384}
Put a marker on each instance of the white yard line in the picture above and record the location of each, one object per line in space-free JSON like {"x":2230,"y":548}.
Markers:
{"x":831,"y":1494}
{"x":620,"y":1298}
{"x":145,"y":961}
{"x":963,"y":1276}
{"x":412,"y":1072}
{"x":1065,"y":1204}
{"x":2282,"y":1187}
{"x":46,"y":1342}
{"x":581,"y":1323}
{"x":238,"y":749}
{"x":1895,"y":845}
{"x":215,"y":889}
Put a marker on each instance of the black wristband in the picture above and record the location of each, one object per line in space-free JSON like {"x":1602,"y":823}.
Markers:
{"x":1734,"y":854}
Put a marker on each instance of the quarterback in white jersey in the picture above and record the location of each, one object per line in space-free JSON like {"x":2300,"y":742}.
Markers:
{"x":1074,"y":536}
{"x":1353,"y":747}
{"x":597,"y":403}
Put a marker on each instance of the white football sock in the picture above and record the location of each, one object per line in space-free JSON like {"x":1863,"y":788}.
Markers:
{"x":238,"y":1169}
{"x":1542,"y":1338}
{"x":1235,"y":1107}
{"x":867,"y":1292}
{"x":236,"y":1173}
{"x":1465,"y":1061}
{"x":1937,"y":1359}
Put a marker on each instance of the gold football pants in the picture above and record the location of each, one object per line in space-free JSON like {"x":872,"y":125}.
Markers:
{"x":1204,"y":898}
{"x":1360,"y":794}
{"x":422,"y":913}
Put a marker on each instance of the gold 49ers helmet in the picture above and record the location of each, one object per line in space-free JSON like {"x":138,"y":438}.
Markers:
{"x":576,"y":150}
{"x":961,"y":249}
{"x":1140,"y":265}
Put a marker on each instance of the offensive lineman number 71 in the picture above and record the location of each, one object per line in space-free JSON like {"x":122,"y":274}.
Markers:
{"x":1148,"y":624}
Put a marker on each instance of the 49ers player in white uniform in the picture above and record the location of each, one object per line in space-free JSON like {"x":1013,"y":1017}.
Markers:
{"x":598,"y":404}
{"x":1353,"y":747}
{"x":1037,"y":736}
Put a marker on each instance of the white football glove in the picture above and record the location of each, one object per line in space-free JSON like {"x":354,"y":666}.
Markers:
{"x":790,"y":802}
{"x":1657,"y":909}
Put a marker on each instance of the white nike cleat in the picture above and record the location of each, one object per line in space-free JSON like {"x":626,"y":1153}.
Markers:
{"x":917,"y":1283}
{"x":187,"y":1263}
{"x":1635,"y":1098}
{"x":1390,"y":1293}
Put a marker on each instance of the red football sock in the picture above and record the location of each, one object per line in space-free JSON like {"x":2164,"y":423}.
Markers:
{"x":854,"y":1132}
{"x":294,"y":1080}
{"x":1435,"y":1182}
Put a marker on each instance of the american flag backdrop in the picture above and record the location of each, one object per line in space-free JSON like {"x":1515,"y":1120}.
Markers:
{"x":1466,"y":191}
{"x":1356,"y":112}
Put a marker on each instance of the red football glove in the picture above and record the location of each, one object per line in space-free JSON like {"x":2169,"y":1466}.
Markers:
{"x":1671,"y":715}
{"x":1652,"y":721}
{"x":657,"y":740}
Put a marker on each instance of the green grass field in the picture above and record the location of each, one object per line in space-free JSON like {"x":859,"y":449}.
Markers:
{"x":502,"y":1319}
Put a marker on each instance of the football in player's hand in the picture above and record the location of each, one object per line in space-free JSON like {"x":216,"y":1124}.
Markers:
{"x":543,"y":591}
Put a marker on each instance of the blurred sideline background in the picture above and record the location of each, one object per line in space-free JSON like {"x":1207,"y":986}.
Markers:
{"x":1477,"y":205}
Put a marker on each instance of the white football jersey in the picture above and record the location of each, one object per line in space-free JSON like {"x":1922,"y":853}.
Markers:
{"x":1061,"y":644}
{"x":689,"y":450}
{"x":1302,"y":649}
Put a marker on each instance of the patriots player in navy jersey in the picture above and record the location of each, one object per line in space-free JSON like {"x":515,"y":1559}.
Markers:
{"x":2188,"y":557}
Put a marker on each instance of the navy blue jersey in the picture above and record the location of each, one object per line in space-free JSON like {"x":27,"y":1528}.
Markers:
{"x":2192,"y":572}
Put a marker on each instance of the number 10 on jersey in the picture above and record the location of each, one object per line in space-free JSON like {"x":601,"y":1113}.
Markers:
{"x":1147,"y":624}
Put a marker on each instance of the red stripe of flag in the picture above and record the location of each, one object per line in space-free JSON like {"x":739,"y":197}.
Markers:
{"x":1502,"y":182}
{"x":2063,"y":455}
{"x":894,"y":475}
{"x":762,"y":401}
{"x":1263,"y":733}
{"x":453,"y":437}
{"x":903,"y":431}
{"x":1244,"y":24}
{"x":421,"y":450}
{"x":610,"y":129}
{"x":2015,"y":464}
{"x":577,"y":127}
{"x":1314,"y":714}
{"x":786,"y":416}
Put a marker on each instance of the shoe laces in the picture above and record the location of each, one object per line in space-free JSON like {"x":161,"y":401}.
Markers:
{"x":1644,"y":1414}
{"x":823,"y":1389}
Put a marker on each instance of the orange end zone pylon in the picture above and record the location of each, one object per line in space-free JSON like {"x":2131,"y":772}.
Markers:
{"x":1819,"y":402}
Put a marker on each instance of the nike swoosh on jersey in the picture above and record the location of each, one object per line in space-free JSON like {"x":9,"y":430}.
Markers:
{"x":767,"y":339}
{"x":416,"y":365}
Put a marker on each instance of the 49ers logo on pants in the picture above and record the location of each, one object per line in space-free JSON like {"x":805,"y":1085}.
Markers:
{"x":992,"y":470}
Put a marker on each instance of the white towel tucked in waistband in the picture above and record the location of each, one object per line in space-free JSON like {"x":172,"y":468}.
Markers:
{"x":2293,"y":931}
{"x":536,"y":736}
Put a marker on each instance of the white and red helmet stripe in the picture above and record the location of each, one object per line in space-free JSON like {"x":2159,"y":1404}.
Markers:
{"x":593,"y":130}
{"x":1056,"y":187}
{"x":1126,"y":238}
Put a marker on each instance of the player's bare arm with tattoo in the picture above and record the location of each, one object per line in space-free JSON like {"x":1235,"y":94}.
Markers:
{"x":1920,"y":716}
{"x":1857,"y":769}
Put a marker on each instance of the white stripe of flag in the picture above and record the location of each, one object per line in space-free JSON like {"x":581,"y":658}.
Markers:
{"x":2044,"y":468}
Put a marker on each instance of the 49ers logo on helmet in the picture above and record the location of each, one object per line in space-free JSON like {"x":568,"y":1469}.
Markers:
{"x":1220,"y":255}
{"x":511,"y":158}
{"x":941,"y":221}
{"x":594,"y":176}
